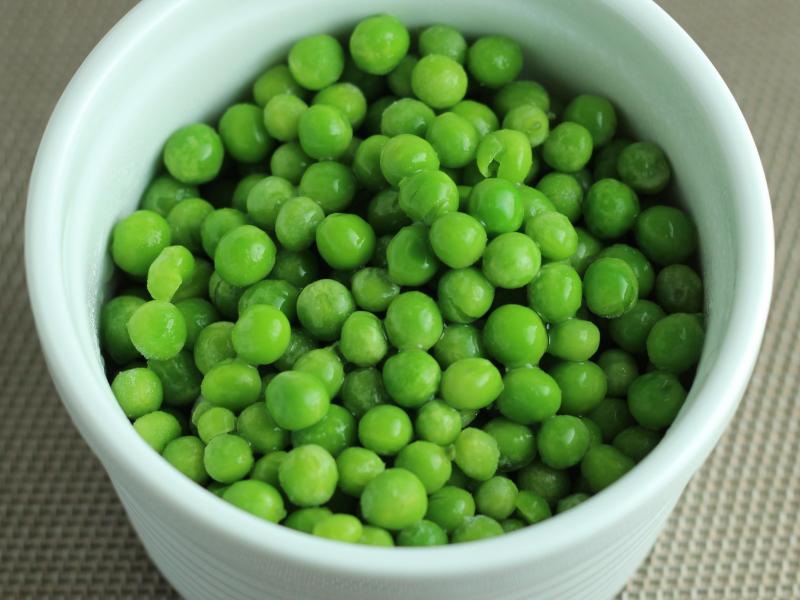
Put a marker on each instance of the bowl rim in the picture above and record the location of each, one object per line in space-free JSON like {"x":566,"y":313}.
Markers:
{"x":674,"y":458}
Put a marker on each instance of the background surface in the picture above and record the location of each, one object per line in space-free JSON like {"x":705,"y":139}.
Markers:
{"x":735,"y":533}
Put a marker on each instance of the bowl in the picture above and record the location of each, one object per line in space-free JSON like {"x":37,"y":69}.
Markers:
{"x":172,"y":62}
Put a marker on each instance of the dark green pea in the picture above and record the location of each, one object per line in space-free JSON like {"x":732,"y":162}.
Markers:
{"x":620,"y":369}
{"x":373,"y":86}
{"x":422,"y":533}
{"x":334,"y":432}
{"x":114,"y":334}
{"x":603,"y":465}
{"x":384,"y":213}
{"x":679,"y":289}
{"x":583,"y":386}
{"x":610,"y":209}
{"x":367,"y":163}
{"x":562,"y":441}
{"x":399,"y":80}
{"x":644,"y":167}
{"x":675,"y":342}
{"x":612,"y":416}
{"x":645,"y":275}
{"x":179,"y":378}
{"x":551,"y":484}
{"x":630,"y":331}
{"x":605,"y":160}
{"x":362,"y":389}
{"x":587,"y":249}
{"x":297,"y":268}
{"x":655,"y":398}
{"x":564,"y":192}
{"x":636,"y":442}
{"x":596,"y":114}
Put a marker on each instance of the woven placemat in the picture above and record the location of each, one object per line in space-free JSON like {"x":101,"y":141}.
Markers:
{"x":735,"y":533}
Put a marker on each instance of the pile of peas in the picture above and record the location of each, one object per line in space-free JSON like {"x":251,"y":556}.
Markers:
{"x":405,"y":298}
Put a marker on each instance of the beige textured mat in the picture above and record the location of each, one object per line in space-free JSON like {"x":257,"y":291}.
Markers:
{"x":735,"y":533}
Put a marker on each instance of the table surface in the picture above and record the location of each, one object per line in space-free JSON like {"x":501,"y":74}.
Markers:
{"x":735,"y":532}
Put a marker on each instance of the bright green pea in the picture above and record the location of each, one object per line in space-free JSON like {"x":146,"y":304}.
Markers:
{"x":529,"y":396}
{"x":323,"y":306}
{"x":562,"y":441}
{"x":521,"y":93}
{"x":256,"y":425}
{"x":406,"y":154}
{"x":138,"y":391}
{"x":449,"y":506}
{"x":228,"y":458}
{"x":644,"y":167}
{"x":399,"y":79}
{"x":630,"y":331}
{"x":394,"y":500}
{"x":272,"y":292}
{"x":439,"y":81}
{"x":157,"y":330}
{"x":138,"y":239}
{"x":339,"y":527}
{"x":494,"y":60}
{"x":532,"y":507}
{"x":281,"y":116}
{"x":373,"y":290}
{"x":506,"y":154}
{"x":555,"y":292}
{"x":464,"y":295}
{"x":410,"y":258}
{"x":411,"y":377}
{"x":428,"y":461}
{"x":564,"y":192}
{"x":515,"y":336}
{"x":275,"y":80}
{"x":362,"y":389}
{"x":675,"y":342}
{"x":422,"y":533}
{"x":345,"y":241}
{"x":458,"y":239}
{"x":476,"y":528}
{"x":679,"y":289}
{"x":335,"y":432}
{"x":367,"y":163}
{"x":379,"y":43}
{"x":375,"y":536}
{"x":193,"y":154}
{"x":164,"y":192}
{"x":665,"y":234}
{"x":603,"y":465}
{"x":568,"y":148}
{"x":266,"y":198}
{"x":511,"y":260}
{"x":324,"y":132}
{"x":215,"y":421}
{"x":385,"y":429}
{"x":534,"y":202}
{"x":438,"y":423}
{"x":496,"y":497}
{"x":454,"y":139}
{"x":297,"y":268}
{"x":179,"y":377}
{"x":114,"y":334}
{"x":427,"y":195}
{"x":636,"y":442}
{"x":258,"y":498}
{"x":213,"y":345}
{"x":305,"y":519}
{"x":620,"y":369}
{"x":583,"y":386}
{"x":530,"y":120}
{"x":330,"y":184}
{"x":186,"y":454}
{"x":515,"y":441}
{"x":347,"y":98}
{"x":573,"y":339}
{"x":610,"y":287}
{"x":217,"y":224}
{"x":243,"y":134}
{"x":478,"y":115}
{"x":308,"y":475}
{"x":610,"y":209}
{"x":363,"y":341}
{"x":642,"y":268}
{"x":357,"y":467}
{"x":413,"y":321}
{"x":554,"y":234}
{"x":477,"y":454}
{"x":496,"y":204}
{"x":261,"y":335}
{"x":233,"y":385}
{"x":407,"y":115}
{"x":289,"y":161}
{"x":297,"y":223}
{"x":316,"y":61}
{"x":444,"y":40}
{"x":244,"y":256}
{"x":297,"y":400}
{"x":596,"y":114}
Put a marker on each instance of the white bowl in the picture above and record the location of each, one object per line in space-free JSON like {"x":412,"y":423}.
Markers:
{"x":171,"y":62}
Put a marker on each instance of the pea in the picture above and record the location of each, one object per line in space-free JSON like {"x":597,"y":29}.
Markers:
{"x":308,"y":475}
{"x":551,"y":484}
{"x":186,"y":455}
{"x":506,"y":154}
{"x":475,"y":528}
{"x":138,"y":391}
{"x":596,"y":114}
{"x":564,"y":192}
{"x":367,"y":163}
{"x":610,"y":287}
{"x":413,"y":321}
{"x":406,"y":115}
{"x":234,"y":385}
{"x":644,"y":167}
{"x":679,"y":289}
{"x":345,"y":241}
{"x":411,"y":377}
{"x":384,"y":213}
{"x":655,"y":398}
{"x":439,"y":81}
{"x":494,"y":60}
{"x":610,"y":209}
{"x":464,"y":295}
{"x":532,"y":507}
{"x":296,"y":400}
{"x":406,"y":154}
{"x":458,"y":341}
{"x":290,"y":161}
{"x":515,"y":336}
{"x":438,"y":423}
{"x":454,"y":139}
{"x":362,"y":389}
{"x":573,"y":339}
{"x":357,"y":467}
{"x":138,"y":239}
{"x":243,"y":134}
{"x":603,"y":465}
{"x":515,"y":441}
{"x":378,"y":44}
{"x":427,"y":195}
{"x":244,"y":256}
{"x":480,"y":116}
{"x":511,"y":260}
{"x":620,"y":369}
{"x":347,"y":98}
{"x":193,"y":154}
{"x":157,"y":330}
{"x":323,"y":307}
{"x":554,"y":234}
{"x":571,"y":501}
{"x":645,"y":275}
{"x":330,"y":184}
{"x":422,"y":533}
{"x":630,"y":331}
{"x":636,"y":442}
{"x":583,"y":386}
{"x":335,"y":432}
{"x":275,"y":80}
{"x":297,"y":268}
{"x":611,"y":416}
{"x":257,"y":498}
{"x":568,"y":147}
{"x":316,"y":61}
{"x":385,"y":429}
{"x":675,"y":342}
{"x":428,"y":461}
{"x":324,"y":132}
{"x":114,"y":318}
{"x":399,"y":79}
{"x":521,"y":93}
{"x":529,"y":396}
{"x":444,"y":40}
{"x":495,"y":203}
{"x":325,"y":365}
{"x":394,"y":500}
{"x":477,"y":454}
{"x":179,"y":378}
{"x":665,"y":234}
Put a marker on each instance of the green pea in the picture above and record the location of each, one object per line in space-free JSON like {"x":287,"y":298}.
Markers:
{"x":564,"y":192}
{"x":596,"y":114}
{"x":457,"y":239}
{"x":679,"y":289}
{"x":243,"y":134}
{"x":496,"y":204}
{"x":228,"y":458}
{"x":138,"y":239}
{"x":271,"y":292}
{"x":385,"y":429}
{"x":157,"y":330}
{"x":505,"y":154}
{"x":379,"y":43}
{"x":114,"y":317}
{"x":636,"y":442}
{"x":644,"y":167}
{"x":529,"y":396}
{"x":275,"y":80}
{"x":289,"y":161}
{"x":257,"y":498}
{"x":297,"y":400}
{"x":611,"y":416}
{"x":244,"y":256}
{"x":316,"y":61}
{"x":620,"y":369}
{"x":521,"y":93}
{"x":394,"y":500}
{"x":494,"y":60}
{"x":464,"y":295}
{"x":186,"y":221}
{"x":411,"y":377}
{"x":308,"y":476}
{"x":265,"y":199}
{"x":438,"y":423}
{"x":256,"y":425}
{"x":476,"y":528}
{"x":193,"y":154}
{"x":555,"y":292}
{"x":384,"y":213}
{"x":427,"y":195}
{"x":515,"y":336}
{"x":610,"y":209}
{"x":675,"y":342}
{"x":324,"y":132}
{"x":478,"y":115}
{"x":281,"y":116}
{"x":217,"y":224}
{"x":554,"y":234}
{"x":372,"y":123}
{"x":179,"y":377}
{"x":439,"y":81}
{"x":362,"y":389}
{"x":357,"y":467}
{"x":496,"y":497}
{"x":339,"y":527}
{"x":428,"y":461}
{"x":422,"y":533}
{"x":630,"y":331}
{"x":610,"y":287}
{"x":399,"y":79}
{"x":330,"y":184}
{"x":458,"y":341}
{"x":573,"y":339}
{"x":213,"y":345}
{"x":532,"y":507}
{"x":305,"y":519}
{"x":471,"y":383}
{"x":530,"y":120}
{"x":375,"y":536}
{"x":444,"y":40}
{"x":261,"y":335}
{"x":568,"y":148}
{"x":373,"y":290}
{"x":347,"y":98}
{"x":454,"y":139}
{"x":345,"y":241}
{"x":406,"y":115}
{"x":215,"y":421}
{"x":477,"y":454}
{"x":367,"y":164}
{"x":164,"y":192}
{"x":510,"y":525}
{"x":583,"y":386}
{"x":297,"y":268}
{"x":335,"y":432}
{"x":511,"y":260}
{"x":323,"y":306}
{"x":186,"y":454}
{"x":406,"y":154}
{"x":562,"y":441}
{"x":534,"y":202}
{"x":413,"y":321}
{"x":603,"y":465}
{"x":138,"y":391}
{"x":233,"y":384}
{"x":642,"y":268}
{"x":551,"y":484}
{"x":515,"y":441}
